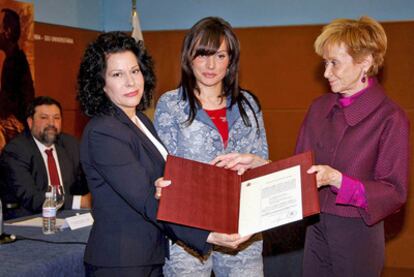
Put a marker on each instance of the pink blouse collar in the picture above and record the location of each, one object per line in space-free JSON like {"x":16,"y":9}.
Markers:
{"x":346,"y":101}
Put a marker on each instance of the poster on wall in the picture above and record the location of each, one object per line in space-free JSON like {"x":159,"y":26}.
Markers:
{"x":16,"y":66}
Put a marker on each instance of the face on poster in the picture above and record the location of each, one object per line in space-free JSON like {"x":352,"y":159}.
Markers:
{"x":26,"y":42}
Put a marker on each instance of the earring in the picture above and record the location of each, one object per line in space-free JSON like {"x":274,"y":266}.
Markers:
{"x":364,"y":78}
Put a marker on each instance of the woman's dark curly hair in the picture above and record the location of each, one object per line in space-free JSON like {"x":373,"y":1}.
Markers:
{"x":91,"y":80}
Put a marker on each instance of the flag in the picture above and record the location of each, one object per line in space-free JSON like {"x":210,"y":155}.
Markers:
{"x":136,"y":27}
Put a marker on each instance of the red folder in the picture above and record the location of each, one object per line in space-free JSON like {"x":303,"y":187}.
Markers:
{"x":207,"y":197}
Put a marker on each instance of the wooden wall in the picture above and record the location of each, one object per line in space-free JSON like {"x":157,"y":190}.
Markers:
{"x":58,"y":51}
{"x":278,"y":64}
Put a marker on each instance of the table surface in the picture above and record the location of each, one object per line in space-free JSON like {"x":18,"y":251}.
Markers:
{"x":60,"y":254}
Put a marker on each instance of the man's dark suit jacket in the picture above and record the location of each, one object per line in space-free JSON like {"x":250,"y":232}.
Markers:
{"x":23,"y":174}
{"x":121,"y":165}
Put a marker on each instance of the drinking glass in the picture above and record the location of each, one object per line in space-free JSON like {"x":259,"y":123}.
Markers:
{"x":58,"y":196}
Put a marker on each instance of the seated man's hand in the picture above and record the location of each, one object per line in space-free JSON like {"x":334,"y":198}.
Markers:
{"x":86,"y":201}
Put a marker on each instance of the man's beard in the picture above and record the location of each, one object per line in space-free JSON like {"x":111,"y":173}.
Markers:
{"x":49,"y":135}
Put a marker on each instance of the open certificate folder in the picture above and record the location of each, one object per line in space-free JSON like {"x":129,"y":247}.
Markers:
{"x":217,"y":199}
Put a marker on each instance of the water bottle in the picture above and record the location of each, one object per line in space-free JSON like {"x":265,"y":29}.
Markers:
{"x":49,"y":214}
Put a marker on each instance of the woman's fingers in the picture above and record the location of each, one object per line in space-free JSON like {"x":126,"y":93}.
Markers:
{"x":160,"y":183}
{"x":326,"y":175}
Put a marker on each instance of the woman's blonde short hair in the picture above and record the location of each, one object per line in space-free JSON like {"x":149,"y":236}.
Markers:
{"x":362,"y":37}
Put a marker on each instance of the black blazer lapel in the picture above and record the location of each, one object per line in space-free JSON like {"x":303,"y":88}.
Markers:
{"x":64,"y":166}
{"x":146,"y":142}
{"x":38,"y":163}
{"x":148,"y":123}
{"x":66,"y":174}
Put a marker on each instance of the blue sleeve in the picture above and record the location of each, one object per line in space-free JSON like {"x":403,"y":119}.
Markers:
{"x":165,"y":122}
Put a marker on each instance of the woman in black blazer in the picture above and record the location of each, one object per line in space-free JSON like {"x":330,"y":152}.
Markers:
{"x":122,"y":159}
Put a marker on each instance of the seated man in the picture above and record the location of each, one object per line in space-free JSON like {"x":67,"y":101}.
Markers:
{"x":28,"y":168}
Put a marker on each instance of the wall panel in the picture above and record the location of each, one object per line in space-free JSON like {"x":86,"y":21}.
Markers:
{"x":58,"y":50}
